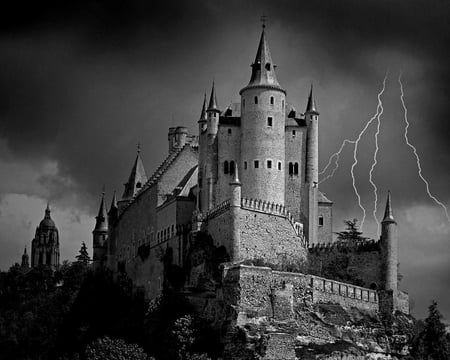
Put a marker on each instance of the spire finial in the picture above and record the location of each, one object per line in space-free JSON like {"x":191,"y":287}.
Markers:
{"x":138,"y":148}
{"x":263,"y":20}
{"x":212,"y":106}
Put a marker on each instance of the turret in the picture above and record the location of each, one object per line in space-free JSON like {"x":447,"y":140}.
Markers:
{"x":100,"y":236}
{"x":136,"y":181}
{"x":213,"y":114}
{"x":235,"y":207}
{"x":202,"y":158}
{"x":389,"y":243}
{"x":25,"y":260}
{"x":312,"y":166}
{"x":177,"y":138}
{"x":263,"y":130}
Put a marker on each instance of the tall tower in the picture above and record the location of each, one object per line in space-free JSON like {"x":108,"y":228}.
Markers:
{"x":263,"y":130}
{"x":312,"y":166}
{"x":202,"y":159}
{"x":45,"y":245}
{"x":135,"y":182}
{"x":389,"y":246}
{"x":113,"y":215}
{"x":100,"y":236}
{"x":213,"y":114}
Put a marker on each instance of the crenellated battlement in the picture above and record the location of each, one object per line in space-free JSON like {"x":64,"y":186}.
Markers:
{"x":361,"y":246}
{"x":272,"y":209}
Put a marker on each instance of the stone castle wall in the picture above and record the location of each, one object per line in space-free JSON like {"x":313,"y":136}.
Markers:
{"x":363,"y":263}
{"x":325,"y":231}
{"x":295,"y":153}
{"x":262,"y":291}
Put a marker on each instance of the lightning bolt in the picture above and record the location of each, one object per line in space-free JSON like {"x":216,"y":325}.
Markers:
{"x":355,"y":150}
{"x":405,"y":111}
{"x":375,"y":154}
{"x":336,"y":157}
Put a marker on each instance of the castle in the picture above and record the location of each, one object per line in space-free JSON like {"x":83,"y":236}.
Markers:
{"x":243,"y":192}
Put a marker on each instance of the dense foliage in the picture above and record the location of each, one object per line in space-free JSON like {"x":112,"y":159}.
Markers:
{"x":77,"y":313}
{"x":431,"y":341}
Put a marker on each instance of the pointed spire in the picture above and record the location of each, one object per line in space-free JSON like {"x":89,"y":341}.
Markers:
{"x":388,"y":214}
{"x":47,"y":211}
{"x":213,"y":100}
{"x":311,"y":106}
{"x":137,"y":178}
{"x":203,"y":116}
{"x":263,"y":68}
{"x":113,"y":203}
{"x":25,"y":251}
{"x":101,"y":223}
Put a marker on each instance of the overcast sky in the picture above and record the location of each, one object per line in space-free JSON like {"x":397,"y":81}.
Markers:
{"x":81,"y":83}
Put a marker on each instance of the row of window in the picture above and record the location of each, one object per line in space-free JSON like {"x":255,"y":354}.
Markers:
{"x":228,"y":166}
{"x":256,"y":100}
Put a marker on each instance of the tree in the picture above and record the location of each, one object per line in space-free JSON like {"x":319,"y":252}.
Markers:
{"x":84,"y":256}
{"x":352,"y":233}
{"x":432,"y":342}
{"x":114,"y":349}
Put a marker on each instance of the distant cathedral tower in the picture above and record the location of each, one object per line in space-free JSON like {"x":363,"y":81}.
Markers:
{"x":45,"y":245}
{"x":25,"y":260}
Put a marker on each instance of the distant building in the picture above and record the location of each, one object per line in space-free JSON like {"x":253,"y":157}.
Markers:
{"x":25,"y":264}
{"x":45,"y":245}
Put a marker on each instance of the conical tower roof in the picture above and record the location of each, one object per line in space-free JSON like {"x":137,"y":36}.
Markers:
{"x":114,"y":205}
{"x":311,"y":106}
{"x":212,"y":106}
{"x":203,"y":116}
{"x":137,"y":178}
{"x":388,"y":214}
{"x":263,"y":68}
{"x":101,"y":223}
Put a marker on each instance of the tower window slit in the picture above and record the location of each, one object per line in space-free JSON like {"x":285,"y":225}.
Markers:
{"x":320,"y":220}
{"x":279,"y":165}
{"x":291,"y":169}
{"x":296,"y":168}
{"x":229,"y":131}
{"x":256,"y":99}
{"x":225,"y":167}
{"x":269,"y":164}
{"x":256,"y":164}
{"x":271,"y":100}
{"x":269,"y":121}
{"x":245,"y":165}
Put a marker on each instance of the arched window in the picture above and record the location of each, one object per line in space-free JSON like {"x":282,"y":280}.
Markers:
{"x":225,"y":167}
{"x":268,"y":66}
{"x":272,"y":100}
{"x":256,"y":99}
{"x":291,"y":169}
{"x":373,"y":286}
{"x":231,"y":167}
{"x":269,"y":164}
{"x":296,"y":168}
{"x":269,"y":121}
{"x":279,"y":165}
{"x":138,"y":185}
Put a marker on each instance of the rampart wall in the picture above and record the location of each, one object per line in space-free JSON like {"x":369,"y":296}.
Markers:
{"x":262,"y":291}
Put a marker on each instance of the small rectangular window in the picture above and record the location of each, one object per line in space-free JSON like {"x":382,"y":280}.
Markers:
{"x":256,"y":164}
{"x":320,"y":220}
{"x":245,"y":165}
{"x":293,"y":133}
{"x":269,"y":121}
{"x":269,"y":164}
{"x":279,"y":165}
{"x":271,"y":100}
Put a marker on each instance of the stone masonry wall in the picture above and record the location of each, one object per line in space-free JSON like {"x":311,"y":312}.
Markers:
{"x":325,"y":231}
{"x":271,"y":238}
{"x":276,"y":294}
